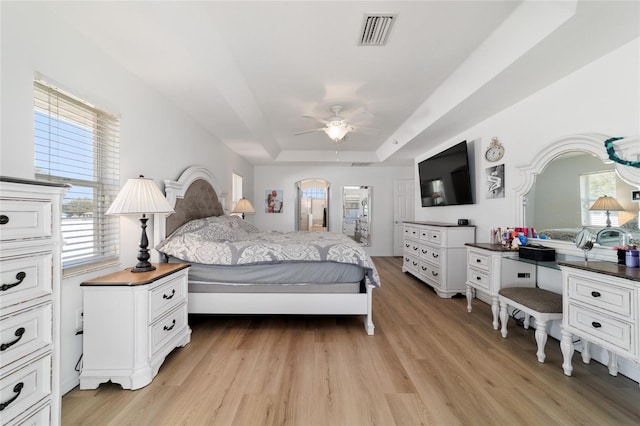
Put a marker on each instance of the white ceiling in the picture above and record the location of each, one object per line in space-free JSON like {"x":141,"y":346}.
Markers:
{"x":248,"y":71}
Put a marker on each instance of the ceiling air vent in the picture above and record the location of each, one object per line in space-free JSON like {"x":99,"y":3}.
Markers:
{"x":375,"y":29}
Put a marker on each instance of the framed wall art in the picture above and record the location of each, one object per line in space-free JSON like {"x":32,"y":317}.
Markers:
{"x":495,"y":181}
{"x":273,"y":200}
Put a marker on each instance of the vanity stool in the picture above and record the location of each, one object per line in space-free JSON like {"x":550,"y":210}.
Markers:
{"x":541,"y":304}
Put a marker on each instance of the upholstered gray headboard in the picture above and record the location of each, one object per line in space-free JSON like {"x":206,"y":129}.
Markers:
{"x":193,"y":196}
{"x":200,"y":200}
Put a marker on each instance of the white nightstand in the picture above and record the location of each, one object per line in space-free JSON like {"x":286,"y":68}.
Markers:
{"x":132,"y":321}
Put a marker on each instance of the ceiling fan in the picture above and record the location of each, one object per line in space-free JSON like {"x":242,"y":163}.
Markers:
{"x":337,"y":127}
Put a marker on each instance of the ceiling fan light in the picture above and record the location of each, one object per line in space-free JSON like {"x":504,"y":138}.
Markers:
{"x":337,"y":132}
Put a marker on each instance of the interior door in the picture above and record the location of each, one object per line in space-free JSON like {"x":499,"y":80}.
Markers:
{"x":403,"y":210}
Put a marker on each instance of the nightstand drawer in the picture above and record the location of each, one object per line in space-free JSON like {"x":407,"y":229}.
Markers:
{"x":25,"y":278}
{"x":24,"y":333}
{"x":479,"y":261}
{"x":165,"y":297}
{"x":25,"y":219}
{"x":605,"y":328}
{"x":601,"y":295}
{"x":168,"y":327}
{"x":478,"y":278}
{"x":25,"y":387}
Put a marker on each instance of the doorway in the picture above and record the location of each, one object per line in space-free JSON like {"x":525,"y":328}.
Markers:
{"x":312,"y":206}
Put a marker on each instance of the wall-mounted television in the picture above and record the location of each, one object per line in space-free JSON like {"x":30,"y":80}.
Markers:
{"x":445,"y":179}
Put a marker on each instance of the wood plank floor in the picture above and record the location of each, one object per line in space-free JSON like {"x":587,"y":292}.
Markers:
{"x":430,"y":362}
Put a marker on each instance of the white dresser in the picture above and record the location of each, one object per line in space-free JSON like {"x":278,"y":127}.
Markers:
{"x":132,"y":321}
{"x":30,"y":271}
{"x":489,"y":270}
{"x":436,"y":254}
{"x":600,"y":305}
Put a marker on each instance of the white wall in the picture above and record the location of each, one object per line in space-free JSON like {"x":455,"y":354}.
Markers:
{"x":156,"y":139}
{"x":285,"y":177}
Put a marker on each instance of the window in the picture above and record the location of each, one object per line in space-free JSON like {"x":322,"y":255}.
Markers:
{"x":77,"y":143}
{"x":592,"y":187}
{"x":236,"y":190}
{"x":314,"y":193}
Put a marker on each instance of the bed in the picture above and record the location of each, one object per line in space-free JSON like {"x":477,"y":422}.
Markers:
{"x":239,"y":269}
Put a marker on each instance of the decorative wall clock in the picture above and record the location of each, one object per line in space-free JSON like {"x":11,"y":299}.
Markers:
{"x":495,"y":150}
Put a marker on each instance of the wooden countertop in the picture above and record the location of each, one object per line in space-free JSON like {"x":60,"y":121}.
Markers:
{"x":128,"y":278}
{"x":490,"y":246}
{"x":606,"y":268}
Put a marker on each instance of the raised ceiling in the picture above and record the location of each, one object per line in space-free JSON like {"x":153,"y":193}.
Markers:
{"x":248,"y":71}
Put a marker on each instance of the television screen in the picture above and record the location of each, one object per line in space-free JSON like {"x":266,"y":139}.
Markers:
{"x":445,"y":179}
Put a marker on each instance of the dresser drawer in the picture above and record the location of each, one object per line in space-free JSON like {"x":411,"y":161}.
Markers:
{"x":166,"y":296}
{"x":602,"y":295}
{"x":479,"y":261}
{"x":22,"y":219}
{"x":25,"y":387}
{"x":479,"y":278}
{"x":42,"y":416}
{"x":411,"y":232}
{"x":430,"y":235}
{"x":615,"y":332}
{"x":412,"y":248}
{"x":430,"y":272}
{"x":166,"y":328}
{"x":430,"y":254}
{"x":25,"y":278}
{"x":25,"y":333}
{"x":410,"y":263}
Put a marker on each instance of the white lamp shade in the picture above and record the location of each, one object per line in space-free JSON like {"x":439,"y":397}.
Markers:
{"x":608,"y":204}
{"x":243,"y":206}
{"x":139,"y":196}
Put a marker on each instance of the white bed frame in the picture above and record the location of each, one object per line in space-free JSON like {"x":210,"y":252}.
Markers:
{"x":257,"y":303}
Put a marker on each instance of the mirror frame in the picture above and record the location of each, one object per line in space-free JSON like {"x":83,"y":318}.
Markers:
{"x":591,"y":143}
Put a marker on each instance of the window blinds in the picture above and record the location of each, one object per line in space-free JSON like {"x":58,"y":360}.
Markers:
{"x":78,"y":144}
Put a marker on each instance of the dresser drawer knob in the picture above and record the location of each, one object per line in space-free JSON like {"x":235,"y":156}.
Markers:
{"x":479,"y":278}
{"x":169,"y":296}
{"x":173,"y":324}
{"x":17,"y":389}
{"x":20,"y":276}
{"x":435,"y":274}
{"x":4,"y":219}
{"x":435,"y":255}
{"x":596,"y":324}
{"x":19,"y":333}
{"x":595,"y":294}
{"x":478,"y":261}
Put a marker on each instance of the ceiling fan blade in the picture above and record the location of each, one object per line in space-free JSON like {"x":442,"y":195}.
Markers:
{"x":318,"y":119}
{"x":309,"y":131}
{"x":359,"y":116}
{"x":365,"y":130}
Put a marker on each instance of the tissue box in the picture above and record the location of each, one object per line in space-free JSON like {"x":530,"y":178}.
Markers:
{"x":537,"y":252}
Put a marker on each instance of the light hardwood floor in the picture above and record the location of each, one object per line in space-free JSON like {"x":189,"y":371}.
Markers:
{"x":430,"y":362}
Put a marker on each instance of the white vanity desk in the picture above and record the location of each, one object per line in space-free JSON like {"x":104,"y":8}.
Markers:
{"x":600,"y":305}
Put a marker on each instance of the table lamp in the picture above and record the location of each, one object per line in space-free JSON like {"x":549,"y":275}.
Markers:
{"x":141,"y":196}
{"x":607,"y":204}
{"x":243,"y":206}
